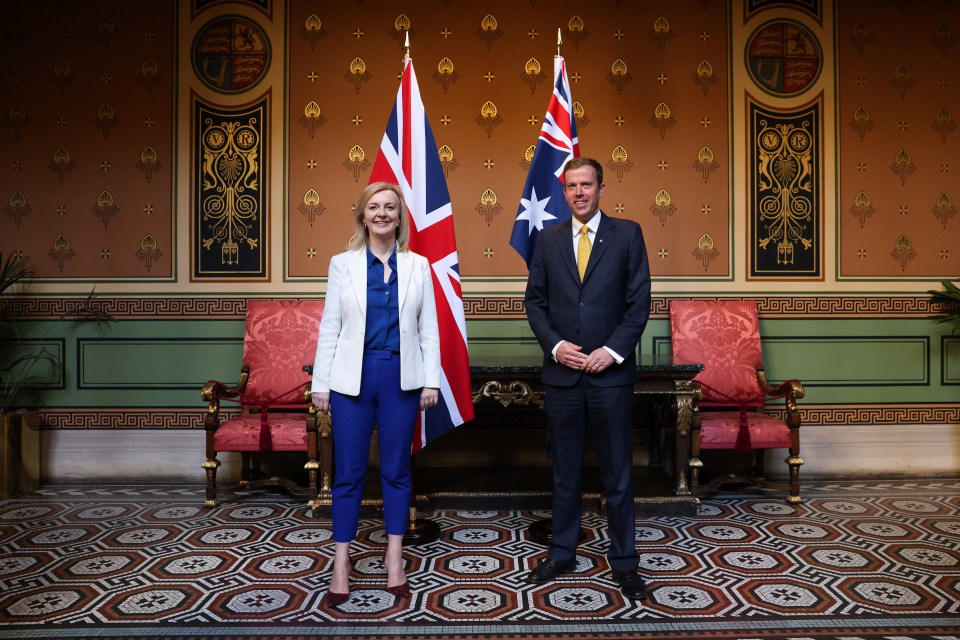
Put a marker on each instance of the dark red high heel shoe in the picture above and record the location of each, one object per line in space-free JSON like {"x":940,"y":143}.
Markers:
{"x":401,"y":590}
{"x":332,"y":599}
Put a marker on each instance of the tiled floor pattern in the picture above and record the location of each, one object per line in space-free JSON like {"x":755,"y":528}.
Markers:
{"x":856,"y":560}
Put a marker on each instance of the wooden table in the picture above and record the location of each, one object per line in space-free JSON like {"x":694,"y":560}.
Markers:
{"x":516,"y":381}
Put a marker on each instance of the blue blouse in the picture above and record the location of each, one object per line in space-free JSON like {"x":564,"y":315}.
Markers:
{"x":383,"y":308}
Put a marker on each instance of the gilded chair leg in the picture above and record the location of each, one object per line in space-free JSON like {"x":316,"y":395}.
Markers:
{"x":695,"y":465}
{"x":210,"y":466}
{"x":794,"y":462}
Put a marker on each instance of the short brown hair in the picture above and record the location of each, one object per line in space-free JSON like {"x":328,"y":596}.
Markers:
{"x":584,"y":161}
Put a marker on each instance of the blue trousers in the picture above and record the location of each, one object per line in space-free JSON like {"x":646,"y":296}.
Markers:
{"x":394,"y":411}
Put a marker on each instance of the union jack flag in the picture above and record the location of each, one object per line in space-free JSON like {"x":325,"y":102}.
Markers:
{"x":408,"y":158}
{"x":542,"y":203}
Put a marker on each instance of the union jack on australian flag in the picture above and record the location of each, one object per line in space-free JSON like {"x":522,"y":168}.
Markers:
{"x":542,"y":203}
{"x":408,"y":157}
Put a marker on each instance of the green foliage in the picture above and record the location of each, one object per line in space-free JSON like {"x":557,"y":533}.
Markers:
{"x":26,"y":365}
{"x":947,"y":302}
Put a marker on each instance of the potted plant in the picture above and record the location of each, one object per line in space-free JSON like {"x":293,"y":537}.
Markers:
{"x":947,"y":302}
{"x":25,"y":366}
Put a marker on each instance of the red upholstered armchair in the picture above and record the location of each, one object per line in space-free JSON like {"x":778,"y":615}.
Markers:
{"x":724,"y":336}
{"x":274,"y":398}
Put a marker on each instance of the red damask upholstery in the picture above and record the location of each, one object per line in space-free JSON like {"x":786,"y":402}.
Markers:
{"x":280,"y":336}
{"x":724,"y":336}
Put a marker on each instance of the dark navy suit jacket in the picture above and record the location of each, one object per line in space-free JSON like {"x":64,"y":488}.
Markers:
{"x":609,"y":308}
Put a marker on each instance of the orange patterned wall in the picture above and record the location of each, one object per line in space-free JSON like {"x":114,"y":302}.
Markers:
{"x":897,"y":118}
{"x":95,"y":171}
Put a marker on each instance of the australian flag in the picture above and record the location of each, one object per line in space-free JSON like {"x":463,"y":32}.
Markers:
{"x":408,"y":158}
{"x":542,"y":203}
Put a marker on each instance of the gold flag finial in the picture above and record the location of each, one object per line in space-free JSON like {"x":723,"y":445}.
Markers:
{"x":406,"y":46}
{"x":558,"y":42}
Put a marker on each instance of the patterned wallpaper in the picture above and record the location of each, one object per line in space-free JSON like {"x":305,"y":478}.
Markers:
{"x":897,"y":119}
{"x":87,"y":146}
{"x":279,"y":107}
{"x":649,"y":80}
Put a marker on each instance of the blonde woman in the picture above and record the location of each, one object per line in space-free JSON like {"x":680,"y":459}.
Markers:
{"x":378,"y":362}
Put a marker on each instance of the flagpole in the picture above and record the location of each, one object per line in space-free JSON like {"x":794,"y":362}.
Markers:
{"x":419,"y":530}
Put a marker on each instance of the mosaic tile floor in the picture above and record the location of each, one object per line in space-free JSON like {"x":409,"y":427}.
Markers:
{"x":856,"y":560}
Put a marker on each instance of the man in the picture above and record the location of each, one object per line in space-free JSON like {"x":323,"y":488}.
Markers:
{"x":587,"y":301}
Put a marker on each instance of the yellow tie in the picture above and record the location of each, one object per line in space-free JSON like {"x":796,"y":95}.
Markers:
{"x":583,"y":251}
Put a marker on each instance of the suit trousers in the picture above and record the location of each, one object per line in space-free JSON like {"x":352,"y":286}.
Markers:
{"x":606,"y":413}
{"x":394,"y":411}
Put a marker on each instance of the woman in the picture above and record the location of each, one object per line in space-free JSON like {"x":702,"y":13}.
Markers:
{"x":378,"y":361}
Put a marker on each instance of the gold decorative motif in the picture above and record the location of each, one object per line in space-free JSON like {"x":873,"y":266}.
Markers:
{"x":488,"y":206}
{"x":401,"y":26}
{"x":861,"y":122}
{"x":106,"y":208}
{"x":662,"y":119}
{"x":446,"y":74}
{"x":663,"y":206}
{"x":903,"y":251}
{"x":580,"y":116}
{"x":17,"y":207}
{"x":148,"y":163}
{"x":515,"y":393}
{"x":149,"y":73}
{"x":575,"y":31}
{"x":944,"y":209}
{"x":903,"y":166}
{"x":706,"y":251}
{"x":358,"y":73}
{"x":532,"y":73}
{"x":944,"y":124}
{"x":619,"y":75}
{"x":356,"y":161}
{"x":447,"y":160}
{"x":488,"y":31}
{"x":61,"y":251}
{"x":704,"y":77}
{"x":311,"y":206}
{"x":705,"y":163}
{"x":943,"y":39}
{"x":62,"y":164}
{"x":312,"y":118}
{"x":231,"y":168}
{"x":17,"y":119}
{"x":619,"y":162}
{"x":785,"y":157}
{"x":106,"y":119}
{"x":862,"y":209}
{"x":148,"y":251}
{"x":661,"y":33}
{"x":61,"y":76}
{"x":902,"y":81}
{"x":106,"y":32}
{"x":528,"y":157}
{"x":860,"y":37}
{"x":488,"y":118}
{"x":313,"y":31}
{"x":17,"y":31}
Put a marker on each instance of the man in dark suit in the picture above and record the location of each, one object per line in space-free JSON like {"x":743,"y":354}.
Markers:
{"x":587,"y":301}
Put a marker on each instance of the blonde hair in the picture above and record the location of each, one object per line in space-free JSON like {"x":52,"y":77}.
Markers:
{"x":360,"y":239}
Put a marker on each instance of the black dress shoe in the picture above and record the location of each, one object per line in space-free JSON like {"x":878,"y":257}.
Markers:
{"x":548,"y":569}
{"x":631,"y":584}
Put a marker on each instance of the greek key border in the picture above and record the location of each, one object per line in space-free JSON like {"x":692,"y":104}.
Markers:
{"x":476,"y":307}
{"x":179,"y":418}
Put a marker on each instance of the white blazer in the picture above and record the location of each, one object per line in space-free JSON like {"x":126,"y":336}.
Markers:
{"x":343,"y":325}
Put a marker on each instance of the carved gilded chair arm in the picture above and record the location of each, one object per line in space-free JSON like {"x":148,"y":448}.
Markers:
{"x":214,"y":391}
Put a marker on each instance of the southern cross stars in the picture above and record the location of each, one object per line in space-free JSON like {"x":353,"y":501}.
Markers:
{"x":535,"y":211}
